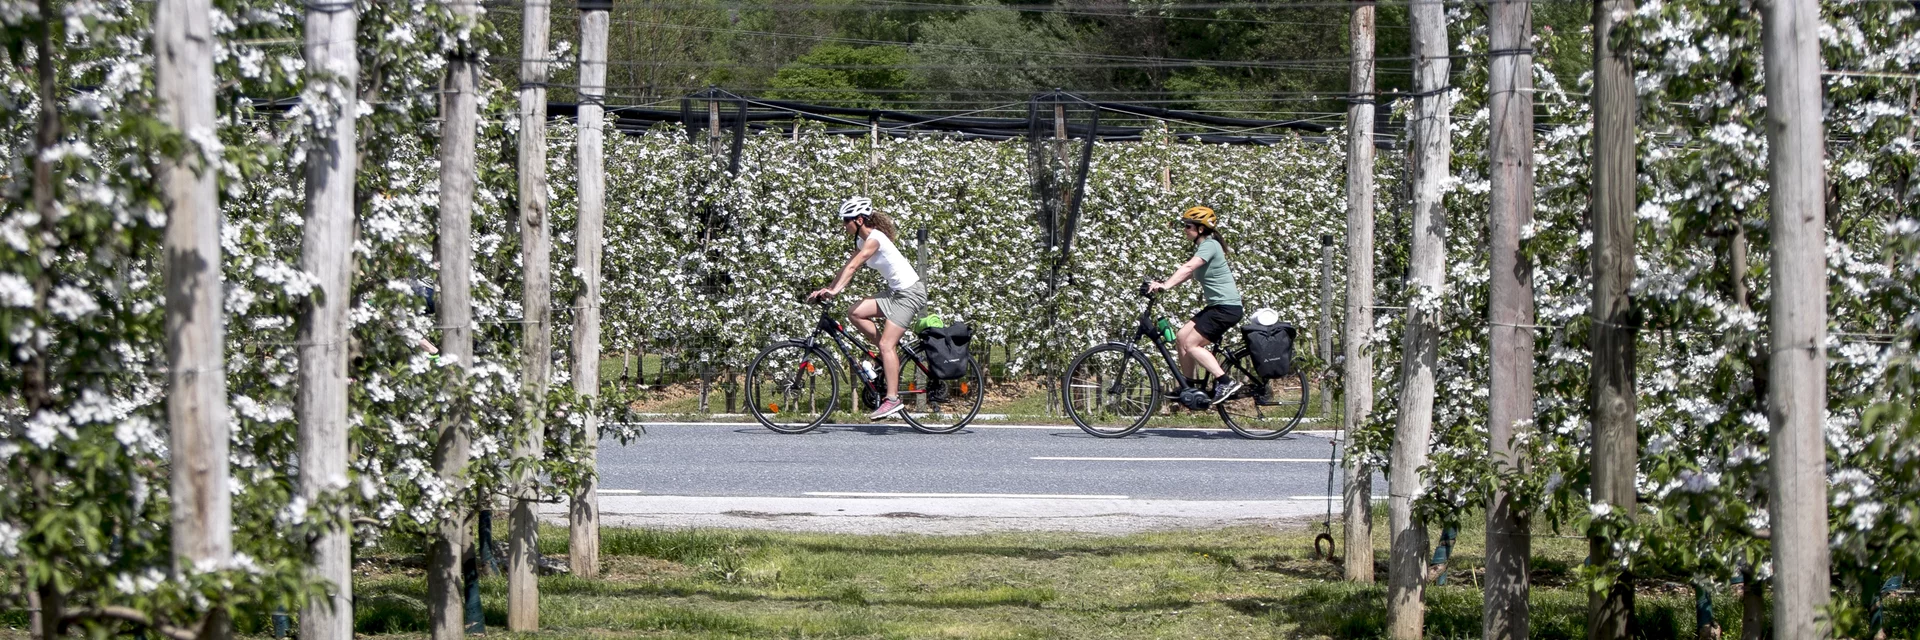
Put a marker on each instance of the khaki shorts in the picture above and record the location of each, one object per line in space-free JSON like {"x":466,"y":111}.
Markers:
{"x":904,"y":306}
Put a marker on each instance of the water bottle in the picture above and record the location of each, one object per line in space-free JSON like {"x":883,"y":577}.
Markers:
{"x":1166,"y":329}
{"x":866,"y":371}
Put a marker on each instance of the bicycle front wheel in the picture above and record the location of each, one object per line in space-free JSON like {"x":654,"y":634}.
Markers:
{"x":951,"y":404}
{"x":1264,"y":409}
{"x":791,"y":387}
{"x":1110,"y":391}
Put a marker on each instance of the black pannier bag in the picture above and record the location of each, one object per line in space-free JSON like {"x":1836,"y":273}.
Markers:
{"x":945,"y":349}
{"x":1270,"y":346}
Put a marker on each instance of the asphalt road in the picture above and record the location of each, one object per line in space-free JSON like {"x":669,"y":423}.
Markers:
{"x":892,"y":460}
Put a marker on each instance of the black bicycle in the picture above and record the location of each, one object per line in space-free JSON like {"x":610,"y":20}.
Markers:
{"x":1112,"y":390}
{"x":793,"y":386}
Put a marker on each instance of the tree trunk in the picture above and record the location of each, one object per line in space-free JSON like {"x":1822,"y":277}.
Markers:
{"x":1510,"y":312}
{"x":536,"y":248}
{"x":48,"y":601}
{"x":1615,"y":330}
{"x":458,"y":127}
{"x":1357,"y":378}
{"x":1426,"y":284}
{"x":1798,"y":318}
{"x":986,"y":365}
{"x":1753,"y":606}
{"x":1324,"y":338}
{"x":326,"y":251}
{"x":583,"y":513}
{"x":706,"y":389}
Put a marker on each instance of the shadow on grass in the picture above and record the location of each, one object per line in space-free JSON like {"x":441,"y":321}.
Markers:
{"x":1359,"y":611}
{"x":846,"y":594}
{"x":692,"y":546}
{"x":959,"y":548}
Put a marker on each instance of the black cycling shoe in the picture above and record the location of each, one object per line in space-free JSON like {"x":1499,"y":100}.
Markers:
{"x":1224,"y":389}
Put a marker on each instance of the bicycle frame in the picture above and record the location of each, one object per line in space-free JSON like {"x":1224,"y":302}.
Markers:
{"x":1145,"y":329}
{"x":844,"y":343}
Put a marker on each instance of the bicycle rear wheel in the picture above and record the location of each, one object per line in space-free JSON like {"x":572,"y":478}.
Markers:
{"x":951,"y":404}
{"x":1264,"y":409}
{"x":791,"y":387}
{"x":1110,"y":391}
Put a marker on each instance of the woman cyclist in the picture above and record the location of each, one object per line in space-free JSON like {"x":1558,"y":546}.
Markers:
{"x":899,"y":305}
{"x":1209,"y":266}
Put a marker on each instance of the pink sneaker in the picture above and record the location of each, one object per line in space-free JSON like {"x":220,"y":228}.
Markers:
{"x":888,"y":408}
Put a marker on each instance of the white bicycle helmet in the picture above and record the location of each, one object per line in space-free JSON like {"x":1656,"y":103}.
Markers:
{"x":855,"y":207}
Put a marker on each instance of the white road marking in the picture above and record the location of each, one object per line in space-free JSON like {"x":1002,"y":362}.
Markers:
{"x":903,"y":425}
{"x":618,"y":492}
{"x":1105,"y":459}
{"x":857,"y":494}
{"x":1330,"y":498}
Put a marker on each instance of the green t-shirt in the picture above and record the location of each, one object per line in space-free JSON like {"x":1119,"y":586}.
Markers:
{"x":1216,"y":278}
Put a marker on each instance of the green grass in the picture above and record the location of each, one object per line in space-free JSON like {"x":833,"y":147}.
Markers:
{"x":1226,"y":584}
{"x":1215,"y":584}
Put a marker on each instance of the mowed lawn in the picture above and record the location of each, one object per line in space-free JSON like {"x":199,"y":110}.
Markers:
{"x":1214,"y":584}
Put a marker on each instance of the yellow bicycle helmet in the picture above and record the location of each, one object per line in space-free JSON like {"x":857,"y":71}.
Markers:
{"x":1201,"y":215}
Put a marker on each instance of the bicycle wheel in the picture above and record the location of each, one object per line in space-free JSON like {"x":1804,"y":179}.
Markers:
{"x":1110,"y":391}
{"x":792,"y":387}
{"x":1264,"y":409}
{"x":951,"y":404}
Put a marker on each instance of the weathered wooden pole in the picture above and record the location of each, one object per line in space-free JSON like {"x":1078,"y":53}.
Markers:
{"x":536,"y":249}
{"x":713,"y":125}
{"x":1357,"y":377}
{"x":1426,"y":286}
{"x":1614,"y":333}
{"x":1797,"y":388}
{"x":1510,"y":316}
{"x":459,"y":122}
{"x":583,"y":512}
{"x":326,"y":252}
{"x":202,"y":519}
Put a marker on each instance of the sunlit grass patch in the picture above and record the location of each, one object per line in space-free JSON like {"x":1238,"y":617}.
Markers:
{"x":1229,"y":584}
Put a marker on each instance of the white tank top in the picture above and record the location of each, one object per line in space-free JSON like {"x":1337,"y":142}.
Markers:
{"x":893,"y":266}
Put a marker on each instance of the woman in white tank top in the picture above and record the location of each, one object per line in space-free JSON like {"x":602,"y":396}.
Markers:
{"x":885,"y":317}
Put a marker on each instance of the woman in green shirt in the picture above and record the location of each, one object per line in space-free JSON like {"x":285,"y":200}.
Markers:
{"x":1209,"y":266}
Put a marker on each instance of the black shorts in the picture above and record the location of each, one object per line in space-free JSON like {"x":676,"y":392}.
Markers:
{"x":1214,"y":321}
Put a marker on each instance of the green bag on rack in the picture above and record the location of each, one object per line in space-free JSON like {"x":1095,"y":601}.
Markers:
{"x":929,"y":321}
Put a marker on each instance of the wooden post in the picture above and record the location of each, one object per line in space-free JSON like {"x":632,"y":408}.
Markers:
{"x":1357,"y":378}
{"x":713,"y":125}
{"x":583,"y":513}
{"x":1615,"y":438}
{"x":1797,"y":389}
{"x":1324,"y":338}
{"x":536,"y":249}
{"x":326,"y":251}
{"x":1510,"y":314}
{"x":1426,"y":284}
{"x":873,"y":144}
{"x":202,"y":521}
{"x":459,"y":123}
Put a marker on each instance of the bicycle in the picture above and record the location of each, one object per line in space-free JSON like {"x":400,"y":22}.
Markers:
{"x":1112,"y":390}
{"x":793,"y":386}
